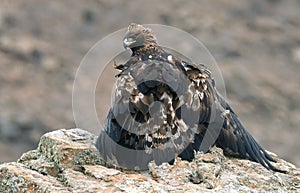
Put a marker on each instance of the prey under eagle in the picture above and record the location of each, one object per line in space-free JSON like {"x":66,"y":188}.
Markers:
{"x":163,"y":102}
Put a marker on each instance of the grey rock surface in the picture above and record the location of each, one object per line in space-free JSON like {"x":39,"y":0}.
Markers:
{"x":67,"y":161}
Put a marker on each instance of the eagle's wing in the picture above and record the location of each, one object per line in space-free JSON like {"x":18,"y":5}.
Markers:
{"x":235,"y":140}
{"x":232,"y":136}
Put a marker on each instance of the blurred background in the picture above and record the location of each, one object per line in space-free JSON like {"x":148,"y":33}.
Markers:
{"x":255,"y":43}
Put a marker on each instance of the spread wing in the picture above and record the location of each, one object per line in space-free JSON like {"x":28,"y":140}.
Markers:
{"x":231,"y":135}
{"x":235,"y":140}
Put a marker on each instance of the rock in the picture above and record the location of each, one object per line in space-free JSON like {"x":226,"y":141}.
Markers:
{"x":67,"y":161}
{"x":255,"y":44}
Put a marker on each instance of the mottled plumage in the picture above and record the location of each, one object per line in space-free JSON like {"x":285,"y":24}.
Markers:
{"x":162,"y":102}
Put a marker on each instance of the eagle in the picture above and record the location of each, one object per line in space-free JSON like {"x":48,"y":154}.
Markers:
{"x":165,"y":106}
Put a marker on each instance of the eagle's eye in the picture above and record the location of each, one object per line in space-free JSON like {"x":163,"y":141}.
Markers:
{"x":130,"y":39}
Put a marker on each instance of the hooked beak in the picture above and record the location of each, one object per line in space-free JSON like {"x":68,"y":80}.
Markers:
{"x":127,"y":42}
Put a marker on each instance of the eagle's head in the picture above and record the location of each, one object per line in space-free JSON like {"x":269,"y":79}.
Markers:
{"x":138,"y":36}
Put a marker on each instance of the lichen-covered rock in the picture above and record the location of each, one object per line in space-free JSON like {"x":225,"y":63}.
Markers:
{"x":15,"y":177}
{"x":67,"y":161}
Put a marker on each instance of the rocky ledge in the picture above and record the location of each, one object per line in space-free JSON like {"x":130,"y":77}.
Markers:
{"x":67,"y":161}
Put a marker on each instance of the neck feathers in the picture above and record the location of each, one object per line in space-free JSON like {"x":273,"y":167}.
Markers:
{"x":149,"y":49}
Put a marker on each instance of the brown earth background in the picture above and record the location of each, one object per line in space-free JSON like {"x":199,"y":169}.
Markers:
{"x":255,"y":43}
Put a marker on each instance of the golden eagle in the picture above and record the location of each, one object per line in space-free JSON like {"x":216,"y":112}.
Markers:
{"x":165,"y":106}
